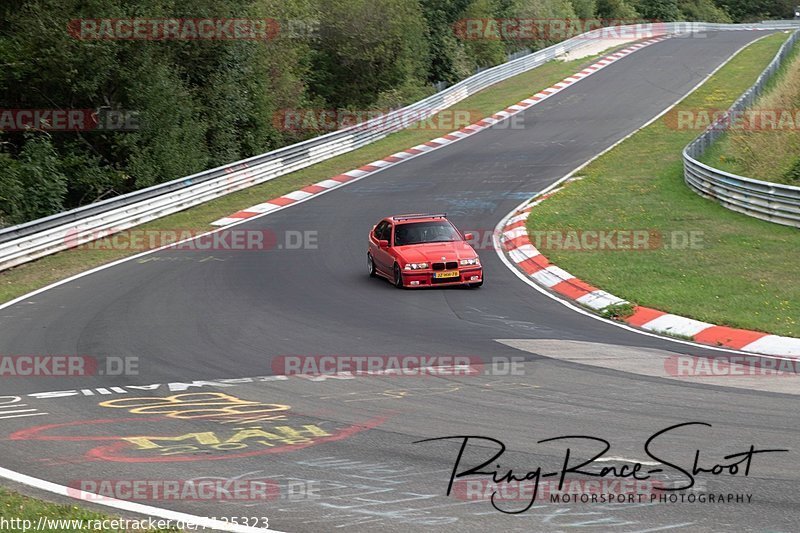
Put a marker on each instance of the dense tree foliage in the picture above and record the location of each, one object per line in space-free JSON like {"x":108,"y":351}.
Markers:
{"x":204,"y":103}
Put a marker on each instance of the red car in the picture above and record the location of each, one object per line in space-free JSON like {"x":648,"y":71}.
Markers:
{"x":422,"y":251}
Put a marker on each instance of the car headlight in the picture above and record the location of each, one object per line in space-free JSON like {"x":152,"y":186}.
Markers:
{"x":415,"y":266}
{"x":469,"y":262}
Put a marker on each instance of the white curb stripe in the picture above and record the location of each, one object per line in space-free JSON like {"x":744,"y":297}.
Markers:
{"x":775,"y":345}
{"x":423,"y":148}
{"x":262,"y":208}
{"x":678,"y":325}
{"x":328,"y":184}
{"x":355,"y":173}
{"x":518,"y":218}
{"x":599,"y":299}
{"x":297,"y":195}
{"x":551,"y":276}
{"x":225,"y":221}
{"x":514,"y":233}
{"x":523,"y":253}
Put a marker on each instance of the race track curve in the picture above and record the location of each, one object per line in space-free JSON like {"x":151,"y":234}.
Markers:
{"x":199,"y":315}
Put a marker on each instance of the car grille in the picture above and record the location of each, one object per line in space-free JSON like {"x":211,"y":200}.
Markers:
{"x":450,"y":265}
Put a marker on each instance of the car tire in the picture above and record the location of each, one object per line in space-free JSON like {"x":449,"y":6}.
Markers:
{"x":398,"y":277}
{"x":371,"y":266}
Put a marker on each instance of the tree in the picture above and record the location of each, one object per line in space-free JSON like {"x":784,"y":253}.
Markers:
{"x":702,"y":10}
{"x":659,"y":10}
{"x":585,"y":9}
{"x":616,"y":10}
{"x":367,"y":47}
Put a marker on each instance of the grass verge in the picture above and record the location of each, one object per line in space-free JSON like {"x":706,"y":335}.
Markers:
{"x":31,"y":276}
{"x":767,"y":147}
{"x":742,"y":271}
{"x":27,"y":512}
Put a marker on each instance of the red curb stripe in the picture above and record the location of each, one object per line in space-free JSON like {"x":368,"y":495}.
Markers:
{"x":730,"y":337}
{"x":393,"y":159}
{"x":450,"y":137}
{"x":432,"y":144}
{"x":368,"y":168}
{"x":573,"y":288}
{"x":467,"y":130}
{"x":343,"y":178}
{"x":530,"y":266}
{"x":483,"y":122}
{"x":517,"y":224}
{"x":413,"y":151}
{"x":242,"y":214}
{"x":541,"y":261}
{"x":313,"y":189}
{"x":516,"y":242}
{"x":643,"y":315}
{"x":281,"y":201}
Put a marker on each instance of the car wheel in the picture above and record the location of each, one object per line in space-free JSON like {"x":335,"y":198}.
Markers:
{"x":398,"y":277}
{"x":370,"y":266}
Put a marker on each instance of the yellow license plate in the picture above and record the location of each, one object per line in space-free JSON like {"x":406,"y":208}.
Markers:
{"x":440,"y":275}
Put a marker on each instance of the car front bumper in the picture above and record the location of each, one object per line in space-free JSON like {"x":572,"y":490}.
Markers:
{"x":425,"y":278}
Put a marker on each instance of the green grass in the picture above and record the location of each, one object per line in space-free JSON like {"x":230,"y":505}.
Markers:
{"x":17,"y":506}
{"x":765,"y":153}
{"x":745,"y":272}
{"x":30,"y":276}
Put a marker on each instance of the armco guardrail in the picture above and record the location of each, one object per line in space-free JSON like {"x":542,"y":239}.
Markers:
{"x":25,"y":242}
{"x":773,"y":202}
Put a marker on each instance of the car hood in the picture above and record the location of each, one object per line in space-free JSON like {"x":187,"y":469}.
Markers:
{"x":435,"y":252}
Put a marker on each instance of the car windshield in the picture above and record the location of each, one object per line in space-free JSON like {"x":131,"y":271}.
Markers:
{"x":424,"y":232}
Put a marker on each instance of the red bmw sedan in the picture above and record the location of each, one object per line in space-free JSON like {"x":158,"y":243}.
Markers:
{"x":422,"y":251}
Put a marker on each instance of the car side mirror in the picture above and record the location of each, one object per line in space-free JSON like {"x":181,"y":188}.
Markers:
{"x":468,"y":236}
{"x":383,"y":243}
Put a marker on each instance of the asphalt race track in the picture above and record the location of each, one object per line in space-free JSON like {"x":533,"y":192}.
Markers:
{"x":199,"y":315}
